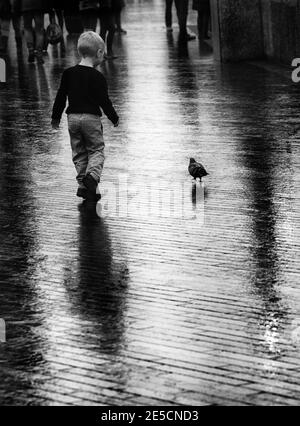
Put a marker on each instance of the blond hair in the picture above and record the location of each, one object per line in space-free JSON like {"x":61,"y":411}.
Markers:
{"x":89,"y":43}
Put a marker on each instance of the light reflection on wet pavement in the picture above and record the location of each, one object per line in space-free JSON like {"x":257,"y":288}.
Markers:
{"x":170,"y":294}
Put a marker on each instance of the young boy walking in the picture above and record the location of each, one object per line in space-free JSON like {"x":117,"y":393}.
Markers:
{"x":87,"y":94}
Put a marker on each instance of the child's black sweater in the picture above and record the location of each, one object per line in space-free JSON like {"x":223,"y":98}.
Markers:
{"x":86,"y":90}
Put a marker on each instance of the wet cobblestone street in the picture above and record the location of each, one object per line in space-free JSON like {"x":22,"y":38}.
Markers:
{"x":168,"y":294}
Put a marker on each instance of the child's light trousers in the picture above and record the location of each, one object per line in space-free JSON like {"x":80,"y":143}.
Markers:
{"x":86,"y":132}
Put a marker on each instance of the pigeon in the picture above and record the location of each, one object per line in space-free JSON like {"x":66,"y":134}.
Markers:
{"x":196,"y":170}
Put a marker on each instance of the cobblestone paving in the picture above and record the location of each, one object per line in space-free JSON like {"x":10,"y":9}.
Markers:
{"x":169,"y":293}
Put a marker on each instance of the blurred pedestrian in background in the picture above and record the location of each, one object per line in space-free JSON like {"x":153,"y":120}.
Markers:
{"x":74,"y":15}
{"x":33,"y":14}
{"x":182,"y":8}
{"x":57,"y":11}
{"x":73,"y":22}
{"x":168,"y":15}
{"x":10,"y":11}
{"x":203,"y":8}
{"x":89,"y":14}
{"x":56,"y":16}
{"x":108,"y":25}
{"x":118,"y":7}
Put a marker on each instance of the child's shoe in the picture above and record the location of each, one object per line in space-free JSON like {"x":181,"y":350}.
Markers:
{"x":90,"y":183}
{"x":88,"y":195}
{"x":94,"y":197}
{"x":82,"y":193}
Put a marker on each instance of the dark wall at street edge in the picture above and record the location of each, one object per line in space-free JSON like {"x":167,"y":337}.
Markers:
{"x":254,"y":29}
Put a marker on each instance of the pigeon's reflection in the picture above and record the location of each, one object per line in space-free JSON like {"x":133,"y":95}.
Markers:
{"x":199,"y":196}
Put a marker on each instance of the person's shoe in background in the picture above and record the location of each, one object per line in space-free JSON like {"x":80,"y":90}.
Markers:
{"x":190,"y":36}
{"x":121,"y":31}
{"x":88,"y":195}
{"x":187,"y":36}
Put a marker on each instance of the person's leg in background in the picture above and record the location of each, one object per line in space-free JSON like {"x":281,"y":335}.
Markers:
{"x":4,"y":25}
{"x":168,"y":15}
{"x":57,"y":16}
{"x":89,"y":19}
{"x":60,"y":17}
{"x":38,"y":18}
{"x":17,"y":21}
{"x":203,"y":20}
{"x":118,"y":19}
{"x":84,"y":20}
{"x":108,"y":28}
{"x":59,"y":7}
{"x":61,"y":22}
{"x":182,"y":7}
{"x":5,"y":17}
{"x":182,"y":14}
{"x":92,"y":20}
{"x":28,"y":18}
{"x":103,"y":25}
{"x":111,"y":29}
{"x":207,"y":21}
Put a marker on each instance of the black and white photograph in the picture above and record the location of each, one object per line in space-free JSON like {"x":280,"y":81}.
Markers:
{"x":150,"y":206}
